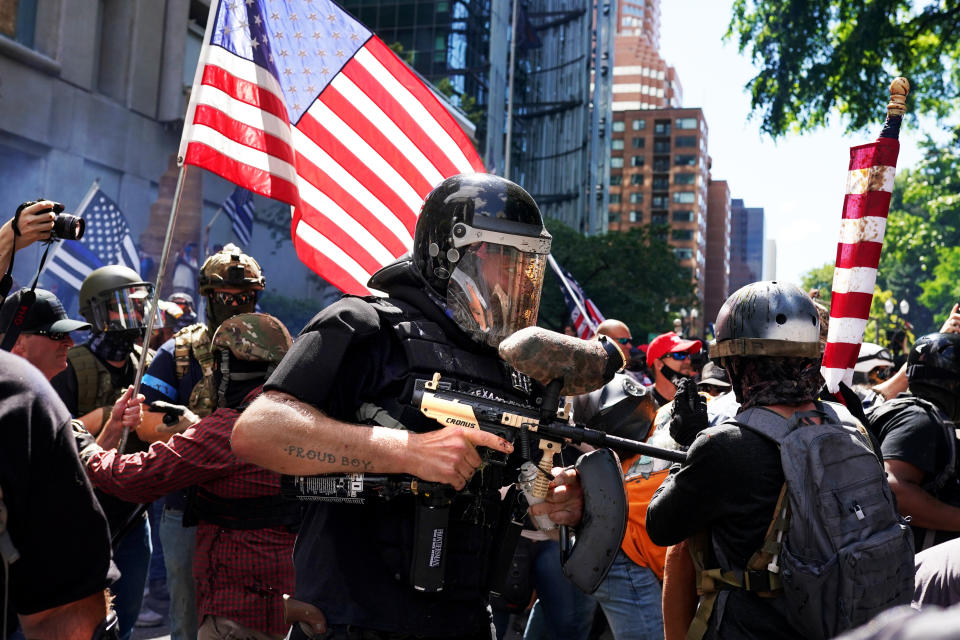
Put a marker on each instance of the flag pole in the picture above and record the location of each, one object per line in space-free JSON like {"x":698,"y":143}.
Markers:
{"x":154,"y":306}
{"x":565,"y":285}
{"x":206,"y":233}
{"x":80,"y":211}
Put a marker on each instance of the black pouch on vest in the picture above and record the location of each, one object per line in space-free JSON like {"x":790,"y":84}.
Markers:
{"x":430,"y":543}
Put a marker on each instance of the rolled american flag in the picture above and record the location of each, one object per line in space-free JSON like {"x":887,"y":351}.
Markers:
{"x":865,"y":207}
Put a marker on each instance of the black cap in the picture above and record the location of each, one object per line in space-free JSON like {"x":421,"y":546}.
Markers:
{"x":47,"y":314}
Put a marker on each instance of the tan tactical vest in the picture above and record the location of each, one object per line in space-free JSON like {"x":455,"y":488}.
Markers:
{"x":194,"y":341}
{"x":94,"y":386}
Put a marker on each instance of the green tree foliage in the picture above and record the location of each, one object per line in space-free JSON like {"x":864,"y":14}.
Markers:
{"x":820,"y":56}
{"x":821,"y":279}
{"x":941,"y":293}
{"x":629,"y":275}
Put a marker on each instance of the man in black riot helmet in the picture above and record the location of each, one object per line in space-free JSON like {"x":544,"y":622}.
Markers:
{"x":917,"y":433}
{"x":341,"y":402}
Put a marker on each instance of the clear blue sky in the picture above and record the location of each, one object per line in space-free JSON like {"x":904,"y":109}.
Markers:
{"x":799,"y":180}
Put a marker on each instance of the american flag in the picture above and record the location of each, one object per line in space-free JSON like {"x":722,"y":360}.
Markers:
{"x":105,"y":241}
{"x":584,"y":315}
{"x":239,"y":206}
{"x":865,"y":207}
{"x":299,"y":102}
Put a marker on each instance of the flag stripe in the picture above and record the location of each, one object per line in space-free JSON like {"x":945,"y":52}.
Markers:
{"x":872,"y":203}
{"x":413,"y":124}
{"x":255,"y":179}
{"x":859,"y":254}
{"x":254,"y":158}
{"x":850,"y":305}
{"x":843,"y":353}
{"x":325,"y":173}
{"x":846,"y":330}
{"x":241,"y":133}
{"x":857,"y":279}
{"x":372,"y":176}
{"x":341,"y":269}
{"x":245,"y":92}
{"x":333,"y":195}
{"x":382,"y":132}
{"x":882,"y":152}
{"x":879,"y":178}
{"x":340,"y":226}
{"x":869,"y":229}
{"x":421,"y":103}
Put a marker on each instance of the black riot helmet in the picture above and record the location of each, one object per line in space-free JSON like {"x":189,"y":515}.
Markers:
{"x":767,"y":319}
{"x":481,"y":246}
{"x":933,"y":371}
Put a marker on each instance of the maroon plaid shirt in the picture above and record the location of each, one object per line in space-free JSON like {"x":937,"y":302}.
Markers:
{"x":239,"y":574}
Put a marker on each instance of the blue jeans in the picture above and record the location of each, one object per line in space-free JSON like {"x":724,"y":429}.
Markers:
{"x":562,"y":611}
{"x":132,"y":558}
{"x":179,"y":543}
{"x":157,"y":571}
{"x":630,"y":597}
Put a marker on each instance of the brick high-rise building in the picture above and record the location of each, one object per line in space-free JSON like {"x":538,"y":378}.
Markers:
{"x":659,"y":175}
{"x":641,"y":78}
{"x":746,"y":244}
{"x":717,"y":282}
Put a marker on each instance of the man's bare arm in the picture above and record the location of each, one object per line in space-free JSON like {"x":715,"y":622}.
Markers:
{"x":923,"y":509}
{"x":73,"y":621}
{"x":280,"y":433}
{"x":33,"y":226}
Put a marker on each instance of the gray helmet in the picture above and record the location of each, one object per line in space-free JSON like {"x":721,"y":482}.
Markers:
{"x":114,"y":298}
{"x":767,"y":319}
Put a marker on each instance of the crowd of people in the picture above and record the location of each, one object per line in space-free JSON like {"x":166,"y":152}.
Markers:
{"x":263,"y":487}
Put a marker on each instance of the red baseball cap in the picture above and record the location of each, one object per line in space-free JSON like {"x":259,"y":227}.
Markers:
{"x":670,"y":343}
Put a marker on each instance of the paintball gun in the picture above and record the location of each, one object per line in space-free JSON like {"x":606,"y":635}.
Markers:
{"x":565,"y":365}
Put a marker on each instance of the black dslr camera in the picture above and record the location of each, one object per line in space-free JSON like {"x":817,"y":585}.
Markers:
{"x":66,"y":226}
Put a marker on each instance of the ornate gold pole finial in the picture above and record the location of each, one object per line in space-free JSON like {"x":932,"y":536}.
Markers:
{"x":899,"y":89}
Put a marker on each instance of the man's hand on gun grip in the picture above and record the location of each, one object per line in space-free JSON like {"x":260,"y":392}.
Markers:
{"x":689,"y":413}
{"x":564,"y":501}
{"x":449,"y":455}
{"x":177,"y":418}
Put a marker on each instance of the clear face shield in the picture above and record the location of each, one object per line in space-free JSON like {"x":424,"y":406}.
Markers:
{"x":123,"y":309}
{"x":495,"y":290}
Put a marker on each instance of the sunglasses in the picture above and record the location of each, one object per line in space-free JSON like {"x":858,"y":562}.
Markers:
{"x":677,"y":356}
{"x":239,"y":299}
{"x":56,"y":336}
{"x":624,"y":340}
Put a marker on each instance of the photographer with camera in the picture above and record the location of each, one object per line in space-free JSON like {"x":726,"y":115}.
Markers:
{"x":35,"y":221}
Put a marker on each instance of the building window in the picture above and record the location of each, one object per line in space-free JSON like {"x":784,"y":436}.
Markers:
{"x":614,"y":198}
{"x":685,"y":161}
{"x":636,"y":179}
{"x":616,"y":144}
{"x":686,"y":123}
{"x":662,"y":127}
{"x":619,"y":125}
{"x":636,"y":216}
{"x":681,"y":234}
{"x":683,"y":216}
{"x":684,"y":178}
{"x":661,"y":164}
{"x":684,"y":197}
{"x":685,"y":141}
{"x":636,"y":197}
{"x":616,"y":179}
{"x":613,"y":216}
{"x":616,"y":163}
{"x":636,"y":161}
{"x":639,"y":143}
{"x":661,"y":146}
{"x":661,"y":183}
{"x":639,"y":125}
{"x":18,"y":20}
{"x":683,"y":254}
{"x":659,"y":218}
{"x":659,"y":202}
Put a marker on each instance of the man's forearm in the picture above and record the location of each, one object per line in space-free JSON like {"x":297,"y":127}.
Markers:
{"x":925,"y":510}
{"x":284,"y":435}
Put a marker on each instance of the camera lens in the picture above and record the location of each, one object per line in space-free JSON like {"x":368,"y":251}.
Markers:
{"x":68,"y":227}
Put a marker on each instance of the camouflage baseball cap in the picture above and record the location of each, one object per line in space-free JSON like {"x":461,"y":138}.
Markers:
{"x":253,"y":336}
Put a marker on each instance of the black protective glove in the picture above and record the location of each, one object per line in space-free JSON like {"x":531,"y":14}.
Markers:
{"x":689,"y":413}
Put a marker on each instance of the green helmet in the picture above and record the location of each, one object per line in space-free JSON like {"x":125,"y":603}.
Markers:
{"x":114,"y":298}
{"x":230,"y":267}
{"x":256,"y":337}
